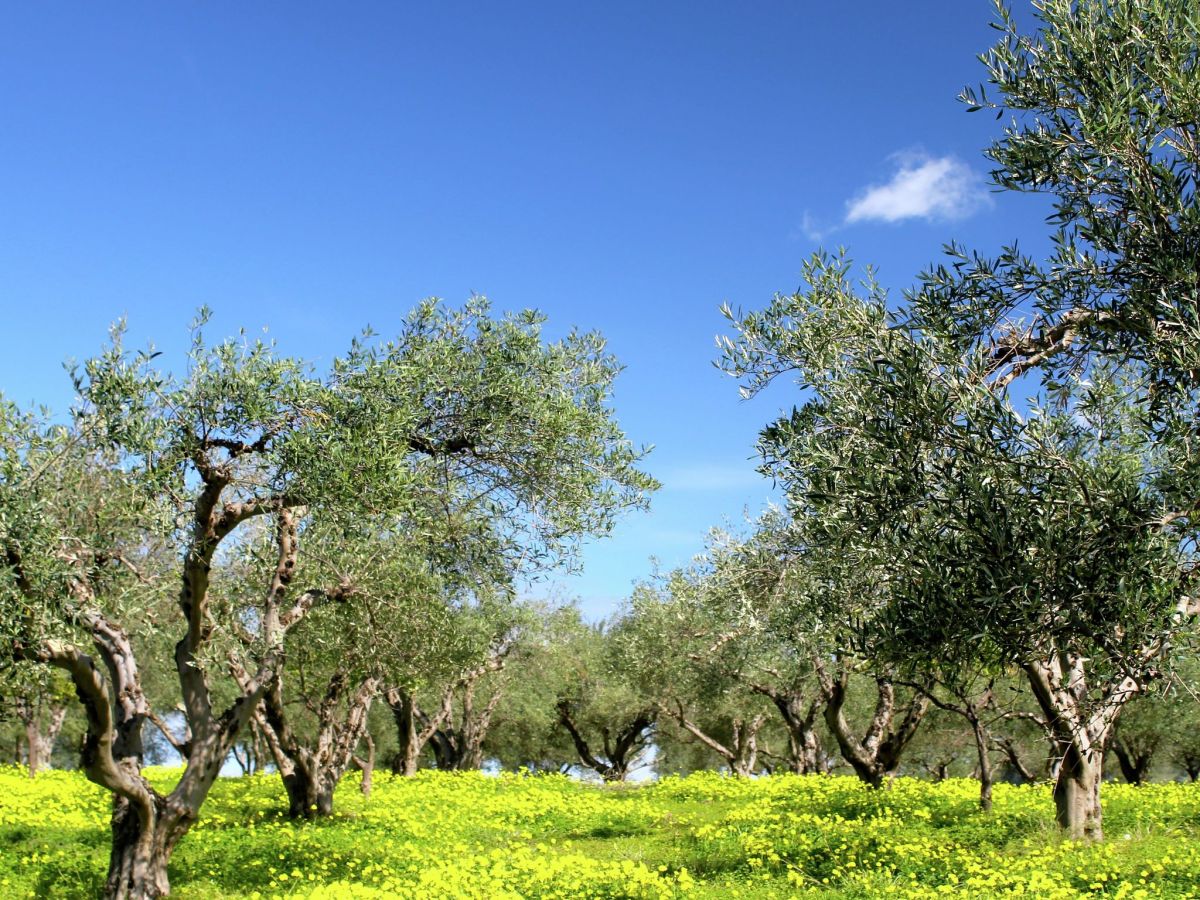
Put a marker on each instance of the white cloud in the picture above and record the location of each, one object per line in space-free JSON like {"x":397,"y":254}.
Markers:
{"x":923,"y":188}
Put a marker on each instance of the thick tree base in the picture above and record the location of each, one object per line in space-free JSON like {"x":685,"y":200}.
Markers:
{"x":1077,"y":802}
{"x":307,"y":799}
{"x":137,"y":867}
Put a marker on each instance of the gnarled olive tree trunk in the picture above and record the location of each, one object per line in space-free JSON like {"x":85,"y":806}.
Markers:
{"x":311,"y":772}
{"x":458,"y":745}
{"x":621,"y":749}
{"x":1134,"y":755}
{"x":1080,"y":727}
{"x":147,"y":825}
{"x":876,"y":755}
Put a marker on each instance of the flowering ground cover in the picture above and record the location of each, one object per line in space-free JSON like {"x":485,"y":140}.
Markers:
{"x":707,"y":836}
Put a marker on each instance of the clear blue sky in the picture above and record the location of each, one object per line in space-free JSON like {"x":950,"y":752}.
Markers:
{"x":621,"y":166}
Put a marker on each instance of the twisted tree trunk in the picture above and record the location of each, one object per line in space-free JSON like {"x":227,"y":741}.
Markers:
{"x":1080,"y":727}
{"x":311,"y":774}
{"x":620,"y":751}
{"x":876,"y":755}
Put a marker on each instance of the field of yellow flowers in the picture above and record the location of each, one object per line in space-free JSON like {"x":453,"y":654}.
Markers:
{"x":475,"y":836}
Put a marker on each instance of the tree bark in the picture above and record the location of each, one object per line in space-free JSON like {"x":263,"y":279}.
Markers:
{"x":146,"y":826}
{"x":1077,"y":795}
{"x":619,"y":753}
{"x":459,"y":746}
{"x":983,"y":754}
{"x":1080,"y":728}
{"x":875,"y":756}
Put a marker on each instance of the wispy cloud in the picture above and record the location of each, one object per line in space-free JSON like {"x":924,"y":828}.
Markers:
{"x":924,"y":187}
{"x":811,"y":229}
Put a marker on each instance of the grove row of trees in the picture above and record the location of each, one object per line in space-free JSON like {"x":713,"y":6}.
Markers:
{"x":990,"y":517}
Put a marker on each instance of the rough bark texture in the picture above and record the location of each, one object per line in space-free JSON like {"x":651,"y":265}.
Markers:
{"x":1080,"y":727}
{"x":741,"y":754}
{"x":311,"y":771}
{"x":146,"y":826}
{"x":875,"y":755}
{"x":983,"y":754}
{"x":621,"y":749}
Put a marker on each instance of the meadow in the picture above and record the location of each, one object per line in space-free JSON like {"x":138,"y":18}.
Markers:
{"x":707,"y":836}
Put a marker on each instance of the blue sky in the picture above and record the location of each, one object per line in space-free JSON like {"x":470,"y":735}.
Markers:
{"x":627,"y":167}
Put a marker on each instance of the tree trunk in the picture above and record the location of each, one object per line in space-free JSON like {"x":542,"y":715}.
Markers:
{"x":742,"y":754}
{"x":141,"y":848}
{"x":876,"y":756}
{"x":799,"y":717}
{"x":366,"y":765}
{"x":33,"y":742}
{"x":403,"y":707}
{"x":310,"y":794}
{"x":39,"y":745}
{"x":1077,"y":795}
{"x":311,"y":772}
{"x":411,"y":739}
{"x":620,"y":753}
{"x":1133,"y":760}
{"x":1081,"y":731}
{"x":986,"y":778}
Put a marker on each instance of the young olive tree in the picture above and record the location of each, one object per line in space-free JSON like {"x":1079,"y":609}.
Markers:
{"x":245,"y":434}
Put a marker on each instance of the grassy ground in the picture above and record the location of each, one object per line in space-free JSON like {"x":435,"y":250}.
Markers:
{"x":705,"y":836}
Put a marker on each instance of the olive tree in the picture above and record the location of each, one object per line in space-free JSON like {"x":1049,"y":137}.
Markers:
{"x":245,"y":434}
{"x":1039,"y":538}
{"x":597,"y":704}
{"x":1055,"y":536}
